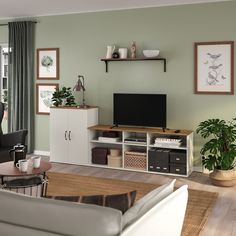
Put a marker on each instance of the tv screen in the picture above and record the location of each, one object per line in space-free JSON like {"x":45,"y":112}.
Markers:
{"x":147,"y":110}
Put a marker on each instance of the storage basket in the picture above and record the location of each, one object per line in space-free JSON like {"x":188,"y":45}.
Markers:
{"x":114,"y":161}
{"x":135,"y":160}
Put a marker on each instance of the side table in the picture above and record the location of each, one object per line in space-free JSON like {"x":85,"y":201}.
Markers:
{"x":21,"y":180}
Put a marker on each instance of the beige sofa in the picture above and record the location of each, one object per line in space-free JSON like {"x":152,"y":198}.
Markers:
{"x":160,"y":212}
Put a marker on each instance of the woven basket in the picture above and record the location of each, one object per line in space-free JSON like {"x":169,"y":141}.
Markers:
{"x":135,"y":160}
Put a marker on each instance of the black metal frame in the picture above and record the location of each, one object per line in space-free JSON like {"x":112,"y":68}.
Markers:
{"x":43,"y":184}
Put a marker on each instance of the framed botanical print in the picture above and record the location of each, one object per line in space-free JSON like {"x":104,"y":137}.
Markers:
{"x":44,"y":94}
{"x":48,"y":63}
{"x":214,"y":67}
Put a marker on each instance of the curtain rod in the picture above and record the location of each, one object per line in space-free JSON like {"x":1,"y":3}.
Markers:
{"x":16,"y":21}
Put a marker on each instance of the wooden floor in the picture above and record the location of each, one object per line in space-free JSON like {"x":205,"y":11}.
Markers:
{"x":222,"y":221}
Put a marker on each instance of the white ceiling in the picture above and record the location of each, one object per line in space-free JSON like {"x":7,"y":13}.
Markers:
{"x":29,"y":8}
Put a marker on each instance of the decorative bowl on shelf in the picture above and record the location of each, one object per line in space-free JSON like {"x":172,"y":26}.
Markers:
{"x":151,"y":53}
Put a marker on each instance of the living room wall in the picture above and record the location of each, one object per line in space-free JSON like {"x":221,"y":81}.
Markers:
{"x":82,"y":39}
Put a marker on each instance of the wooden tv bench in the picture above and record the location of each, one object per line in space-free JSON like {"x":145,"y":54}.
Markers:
{"x":151,"y":150}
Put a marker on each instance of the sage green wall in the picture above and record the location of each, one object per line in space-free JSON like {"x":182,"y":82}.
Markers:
{"x":82,"y":39}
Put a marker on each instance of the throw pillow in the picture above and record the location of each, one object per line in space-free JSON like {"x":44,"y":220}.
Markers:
{"x":146,"y":203}
{"x":120,"y":202}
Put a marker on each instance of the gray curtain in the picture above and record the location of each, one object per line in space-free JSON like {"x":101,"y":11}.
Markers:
{"x":21,"y":79}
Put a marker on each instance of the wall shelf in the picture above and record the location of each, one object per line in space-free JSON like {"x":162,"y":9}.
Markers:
{"x":134,"y":59}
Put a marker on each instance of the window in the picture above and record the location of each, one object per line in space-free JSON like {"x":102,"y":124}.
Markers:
{"x":4,"y":74}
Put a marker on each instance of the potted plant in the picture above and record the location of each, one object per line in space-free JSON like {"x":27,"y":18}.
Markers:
{"x":219,"y":151}
{"x":63,"y":97}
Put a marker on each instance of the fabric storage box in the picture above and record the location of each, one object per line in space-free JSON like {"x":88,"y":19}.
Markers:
{"x":135,"y":160}
{"x":99,"y":155}
{"x":110,"y":134}
{"x":115,"y":152}
{"x":158,"y":160}
{"x":178,"y":169}
{"x":114,"y":161}
{"x":178,"y":156}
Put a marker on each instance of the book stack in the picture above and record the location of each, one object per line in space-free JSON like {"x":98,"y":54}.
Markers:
{"x":167,"y":142}
{"x":108,"y":139}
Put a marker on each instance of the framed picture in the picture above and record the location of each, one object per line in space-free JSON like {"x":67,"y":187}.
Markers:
{"x":44,"y":97}
{"x":214,"y":67}
{"x":48,"y":63}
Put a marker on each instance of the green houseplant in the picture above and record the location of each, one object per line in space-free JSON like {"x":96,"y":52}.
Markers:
{"x":219,"y":151}
{"x":63,"y":95}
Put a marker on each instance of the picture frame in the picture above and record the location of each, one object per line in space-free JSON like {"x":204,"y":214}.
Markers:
{"x":214,"y":67}
{"x":43,"y":97}
{"x":48,"y":63}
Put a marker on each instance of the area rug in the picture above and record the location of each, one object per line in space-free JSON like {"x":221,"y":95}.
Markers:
{"x":200,"y":203}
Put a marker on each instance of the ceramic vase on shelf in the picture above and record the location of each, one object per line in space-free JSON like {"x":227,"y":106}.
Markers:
{"x":123,"y":52}
{"x":110,"y":50}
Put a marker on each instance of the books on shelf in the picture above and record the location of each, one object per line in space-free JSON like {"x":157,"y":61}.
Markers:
{"x":167,"y":142}
{"x":109,"y":139}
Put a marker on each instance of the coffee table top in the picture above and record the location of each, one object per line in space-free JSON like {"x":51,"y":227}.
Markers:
{"x":8,"y":169}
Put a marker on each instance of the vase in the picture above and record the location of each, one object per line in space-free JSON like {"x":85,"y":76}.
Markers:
{"x":223,"y":178}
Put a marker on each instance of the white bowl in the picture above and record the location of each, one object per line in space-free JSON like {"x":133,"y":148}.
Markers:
{"x":151,"y":53}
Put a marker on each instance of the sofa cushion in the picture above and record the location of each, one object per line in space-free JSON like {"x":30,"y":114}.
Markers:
{"x":146,"y":203}
{"x":120,"y":202}
{"x":58,"y":217}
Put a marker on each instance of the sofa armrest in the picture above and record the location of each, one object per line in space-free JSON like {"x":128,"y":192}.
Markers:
{"x":165,"y":218}
{"x":11,"y":139}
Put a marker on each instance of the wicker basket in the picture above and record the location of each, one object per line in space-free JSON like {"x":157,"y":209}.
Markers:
{"x":135,"y":160}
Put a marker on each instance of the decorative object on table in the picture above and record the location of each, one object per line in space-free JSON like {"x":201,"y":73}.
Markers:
{"x":18,"y":153}
{"x":133,"y":50}
{"x":63,"y":97}
{"x":110,"y":50}
{"x":115,"y":55}
{"x":151,"y":53}
{"x":123,"y":52}
{"x":80,"y":85}
{"x":44,"y":95}
{"x":214,"y":67}
{"x":220,"y":151}
{"x":48,"y":63}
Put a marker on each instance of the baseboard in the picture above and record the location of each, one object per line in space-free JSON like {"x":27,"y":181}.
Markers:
{"x":41,"y":153}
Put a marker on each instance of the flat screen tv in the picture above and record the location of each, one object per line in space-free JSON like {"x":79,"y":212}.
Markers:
{"x":147,"y":110}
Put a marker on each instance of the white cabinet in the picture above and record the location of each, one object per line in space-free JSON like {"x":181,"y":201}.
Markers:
{"x":69,"y":134}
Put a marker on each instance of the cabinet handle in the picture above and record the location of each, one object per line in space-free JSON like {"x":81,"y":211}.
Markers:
{"x":66,"y":135}
{"x":69,"y":135}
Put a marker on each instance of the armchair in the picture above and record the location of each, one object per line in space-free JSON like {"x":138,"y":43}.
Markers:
{"x":7,"y":141}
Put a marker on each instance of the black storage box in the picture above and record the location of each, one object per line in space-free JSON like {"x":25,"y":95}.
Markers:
{"x":99,"y":155}
{"x":178,"y":156}
{"x":178,"y":169}
{"x":158,"y":160}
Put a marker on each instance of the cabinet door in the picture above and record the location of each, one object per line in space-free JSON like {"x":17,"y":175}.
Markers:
{"x":77,"y":121}
{"x":59,"y":135}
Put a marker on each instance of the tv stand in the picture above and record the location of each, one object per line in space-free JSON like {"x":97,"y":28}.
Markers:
{"x":150,"y":150}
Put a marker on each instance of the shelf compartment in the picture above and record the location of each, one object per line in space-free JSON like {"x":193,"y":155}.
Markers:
{"x":105,"y":142}
{"x":168,"y":147}
{"x":106,"y":60}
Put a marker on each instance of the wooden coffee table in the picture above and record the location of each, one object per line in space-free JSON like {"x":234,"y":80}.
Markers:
{"x":8,"y":169}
